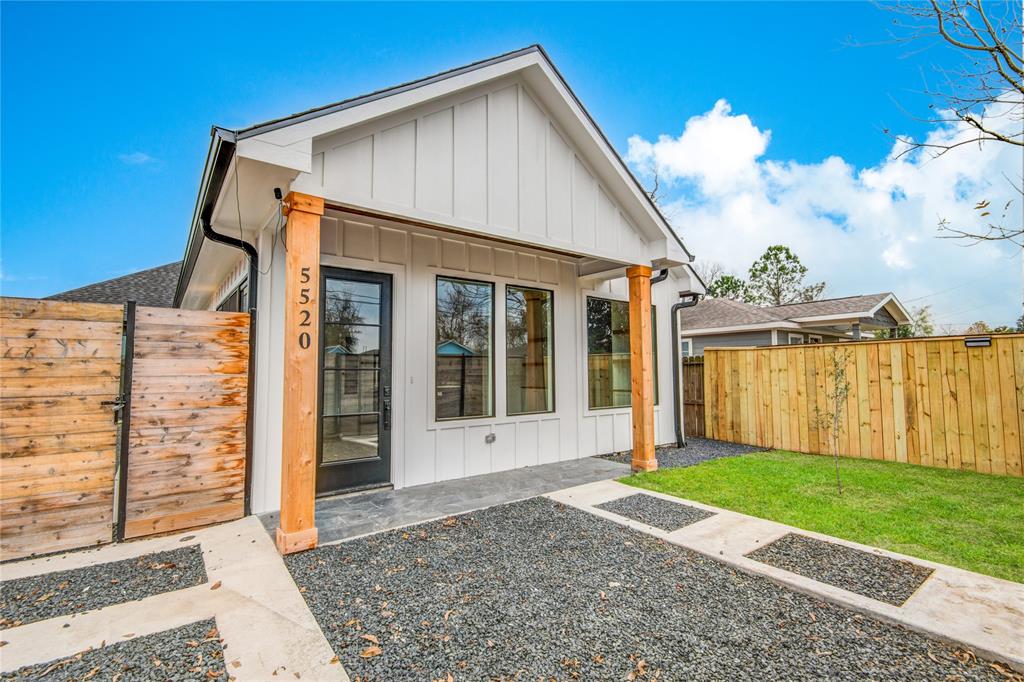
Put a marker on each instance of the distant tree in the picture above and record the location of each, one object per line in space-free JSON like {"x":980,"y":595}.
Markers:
{"x":979,"y":327}
{"x":1003,"y":329}
{"x":983,"y":94}
{"x":709,"y":271}
{"x":1020,"y":324}
{"x":777,"y":278}
{"x":728,"y":286}
{"x":920,"y":325}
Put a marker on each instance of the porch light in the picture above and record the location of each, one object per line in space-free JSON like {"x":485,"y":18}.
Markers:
{"x":978,"y":341}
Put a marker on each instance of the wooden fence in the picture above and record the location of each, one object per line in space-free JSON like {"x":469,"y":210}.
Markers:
{"x":934,"y":402}
{"x":693,"y":397}
{"x":74,"y":469}
{"x":60,"y":363}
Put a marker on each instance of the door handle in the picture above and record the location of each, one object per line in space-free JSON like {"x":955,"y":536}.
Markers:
{"x":387,"y":408}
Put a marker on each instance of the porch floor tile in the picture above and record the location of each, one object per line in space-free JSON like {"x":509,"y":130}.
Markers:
{"x":348,"y":516}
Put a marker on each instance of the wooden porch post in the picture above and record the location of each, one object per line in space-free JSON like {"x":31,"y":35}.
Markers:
{"x":641,"y":364}
{"x":296,"y":530}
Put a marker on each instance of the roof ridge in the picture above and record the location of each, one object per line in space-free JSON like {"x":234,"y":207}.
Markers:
{"x":837,"y":298}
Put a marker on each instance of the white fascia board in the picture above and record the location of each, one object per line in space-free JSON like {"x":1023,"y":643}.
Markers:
{"x":741,"y":328}
{"x":891,"y":299}
{"x":367,"y":111}
{"x":296,"y":156}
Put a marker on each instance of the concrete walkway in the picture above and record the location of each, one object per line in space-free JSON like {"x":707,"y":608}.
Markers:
{"x":267,"y":630}
{"x":982,"y":612}
{"x":348,"y":516}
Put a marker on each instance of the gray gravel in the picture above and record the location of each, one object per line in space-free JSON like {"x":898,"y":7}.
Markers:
{"x":697,"y":450}
{"x":878,"y":577}
{"x":191,"y":652}
{"x":26,"y":600}
{"x":536,"y":589}
{"x":655,"y":511}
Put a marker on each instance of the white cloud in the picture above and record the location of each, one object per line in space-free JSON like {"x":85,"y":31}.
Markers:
{"x":137,"y":159}
{"x":863,"y":230}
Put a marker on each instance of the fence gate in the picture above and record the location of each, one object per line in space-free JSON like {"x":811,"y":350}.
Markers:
{"x":185,"y":428}
{"x":72,"y":474}
{"x":693,"y":396}
{"x":59,"y":375}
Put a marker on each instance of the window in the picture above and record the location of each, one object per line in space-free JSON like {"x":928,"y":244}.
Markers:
{"x":795,"y":339}
{"x":608,"y":364}
{"x":812,"y":338}
{"x":686,"y":346}
{"x":237,"y":301}
{"x":463,"y":359}
{"x":529,"y":342}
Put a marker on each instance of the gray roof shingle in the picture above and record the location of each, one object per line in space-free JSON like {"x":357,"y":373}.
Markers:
{"x":153,"y":287}
{"x":712,"y":313}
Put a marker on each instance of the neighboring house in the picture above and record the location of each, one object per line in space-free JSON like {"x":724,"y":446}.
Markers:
{"x":724,"y":322}
{"x":477,"y":210}
{"x":153,"y":287}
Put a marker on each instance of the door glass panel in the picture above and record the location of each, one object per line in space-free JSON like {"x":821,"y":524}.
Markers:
{"x":350,"y":391}
{"x":348,"y":302}
{"x":354,"y":340}
{"x":346,"y":438}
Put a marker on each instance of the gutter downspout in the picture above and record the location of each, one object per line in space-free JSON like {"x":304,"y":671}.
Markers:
{"x":686,"y":301}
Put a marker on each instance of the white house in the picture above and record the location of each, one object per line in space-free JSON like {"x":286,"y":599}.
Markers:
{"x":439,"y":277}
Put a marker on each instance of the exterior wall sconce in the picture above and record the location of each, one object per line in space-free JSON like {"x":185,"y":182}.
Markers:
{"x":978,"y":341}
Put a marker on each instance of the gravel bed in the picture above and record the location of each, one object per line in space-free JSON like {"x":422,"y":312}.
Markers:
{"x":872,"y":575}
{"x":536,"y":589}
{"x":191,"y":652}
{"x":26,"y":600}
{"x":655,"y":511}
{"x":697,"y":450}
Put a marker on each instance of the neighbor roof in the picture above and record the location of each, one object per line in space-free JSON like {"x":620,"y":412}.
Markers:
{"x":716,"y":313}
{"x":859,"y":306}
{"x":153,"y":287}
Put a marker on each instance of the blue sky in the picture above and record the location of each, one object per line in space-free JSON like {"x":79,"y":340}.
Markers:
{"x":106,"y":109}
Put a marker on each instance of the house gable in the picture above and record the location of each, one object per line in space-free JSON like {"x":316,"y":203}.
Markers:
{"x":501,"y":148}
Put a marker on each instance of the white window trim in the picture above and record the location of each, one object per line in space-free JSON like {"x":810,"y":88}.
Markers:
{"x":689,"y":347}
{"x":589,"y":411}
{"x":815,"y":338}
{"x":790,"y":337}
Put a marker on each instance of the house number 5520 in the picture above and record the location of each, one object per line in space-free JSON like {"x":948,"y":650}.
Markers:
{"x":304,"y":313}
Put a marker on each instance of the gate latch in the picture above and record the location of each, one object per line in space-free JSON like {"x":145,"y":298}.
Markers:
{"x":117,"y":404}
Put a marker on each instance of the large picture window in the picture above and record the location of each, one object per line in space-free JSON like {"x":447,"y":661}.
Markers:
{"x":529,"y":341}
{"x":608,"y":364}
{"x":463,"y":357}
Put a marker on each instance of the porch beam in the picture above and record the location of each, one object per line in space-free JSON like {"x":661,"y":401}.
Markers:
{"x":297,"y":530}
{"x":641,"y":363}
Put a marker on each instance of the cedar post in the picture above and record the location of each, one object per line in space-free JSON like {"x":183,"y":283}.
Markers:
{"x":296,"y":530}
{"x":641,"y":364}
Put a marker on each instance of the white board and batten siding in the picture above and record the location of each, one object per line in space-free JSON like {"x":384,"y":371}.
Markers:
{"x":425,"y":450}
{"x":490,"y":159}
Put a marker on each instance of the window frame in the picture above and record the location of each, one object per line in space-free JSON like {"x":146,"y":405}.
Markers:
{"x":236,"y":293}
{"x":493,"y":410}
{"x":689,"y":347}
{"x":554,"y":373}
{"x":815,"y":338}
{"x":587,"y":408}
{"x":790,"y":336}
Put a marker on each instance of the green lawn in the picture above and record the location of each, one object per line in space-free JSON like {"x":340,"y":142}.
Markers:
{"x":974,"y":521}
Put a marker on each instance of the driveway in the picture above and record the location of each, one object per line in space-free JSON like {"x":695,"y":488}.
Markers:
{"x":540,"y":589}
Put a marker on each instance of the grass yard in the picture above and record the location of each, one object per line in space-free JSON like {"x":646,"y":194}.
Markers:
{"x":974,"y":521}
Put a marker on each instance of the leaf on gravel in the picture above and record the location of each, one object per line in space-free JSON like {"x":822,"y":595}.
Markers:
{"x":449,"y":522}
{"x":371,"y":651}
{"x":215,"y":586}
{"x":448,"y":614}
{"x":371,"y":638}
{"x":965,"y":656}
{"x":335,"y":660}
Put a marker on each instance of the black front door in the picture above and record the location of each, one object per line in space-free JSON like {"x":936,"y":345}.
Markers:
{"x":354,"y":439}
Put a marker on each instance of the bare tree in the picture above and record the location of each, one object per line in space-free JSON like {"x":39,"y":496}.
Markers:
{"x":983,"y":95}
{"x":708,"y":271}
{"x":836,"y":394}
